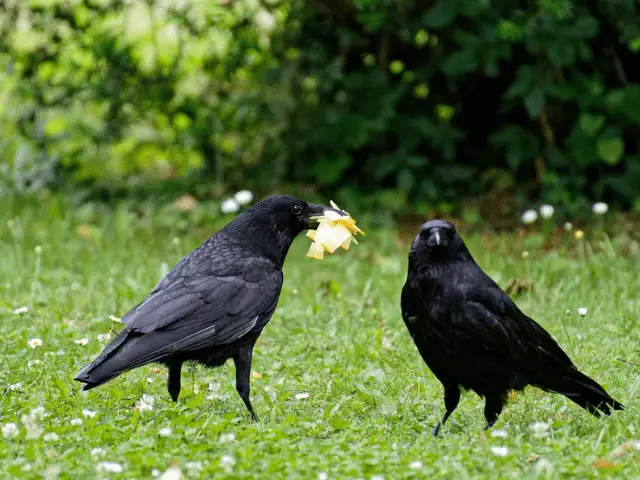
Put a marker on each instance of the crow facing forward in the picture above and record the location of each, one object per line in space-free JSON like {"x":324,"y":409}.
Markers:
{"x":215,"y":302}
{"x":472,"y":335}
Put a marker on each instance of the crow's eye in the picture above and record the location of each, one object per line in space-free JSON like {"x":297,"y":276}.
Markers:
{"x":296,"y":209}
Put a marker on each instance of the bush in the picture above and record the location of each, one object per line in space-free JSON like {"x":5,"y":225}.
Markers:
{"x":453,"y":99}
{"x":393,"y":104}
{"x":97,"y":90}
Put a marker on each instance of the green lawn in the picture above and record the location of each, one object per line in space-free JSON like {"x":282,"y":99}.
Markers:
{"x":338,"y":384}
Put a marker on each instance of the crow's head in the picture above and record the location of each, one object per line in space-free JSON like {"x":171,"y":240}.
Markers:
{"x":273,"y":223}
{"x":438,"y":241}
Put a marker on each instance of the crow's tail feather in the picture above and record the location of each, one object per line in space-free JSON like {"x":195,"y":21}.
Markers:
{"x":584,"y":391}
{"x":117,"y":357}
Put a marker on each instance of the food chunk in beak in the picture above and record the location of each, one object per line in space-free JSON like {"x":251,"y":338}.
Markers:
{"x":336,"y":229}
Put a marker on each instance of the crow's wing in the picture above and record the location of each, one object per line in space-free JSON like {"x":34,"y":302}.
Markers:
{"x":208,"y":309}
{"x":493,"y":319}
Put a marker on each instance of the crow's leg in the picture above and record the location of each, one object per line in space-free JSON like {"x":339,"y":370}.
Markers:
{"x":173,"y":380}
{"x":492,"y":408}
{"x":242,"y":361}
{"x":451,"y":400}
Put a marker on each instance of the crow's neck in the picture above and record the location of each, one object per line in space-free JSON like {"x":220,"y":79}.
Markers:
{"x":437,"y":262}
{"x":268,"y":239}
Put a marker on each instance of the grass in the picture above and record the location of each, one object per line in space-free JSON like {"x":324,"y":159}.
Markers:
{"x":337,"y":336}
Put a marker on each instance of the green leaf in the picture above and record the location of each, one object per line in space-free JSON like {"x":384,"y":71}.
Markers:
{"x":445,"y":112}
{"x":62,"y":386}
{"x":55,"y":126}
{"x":421,"y":38}
{"x":334,"y":287}
{"x":591,"y":124}
{"x":534,"y":101}
{"x":396,"y":67}
{"x":460,"y":62}
{"x":194,"y":401}
{"x":610,"y":150}
{"x":421,"y":90}
{"x":405,"y":179}
{"x":522,"y":83}
{"x":441,"y":14}
{"x":507,"y":30}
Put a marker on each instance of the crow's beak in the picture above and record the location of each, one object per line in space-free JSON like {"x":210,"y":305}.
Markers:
{"x":314,"y":214}
{"x":437,"y":238}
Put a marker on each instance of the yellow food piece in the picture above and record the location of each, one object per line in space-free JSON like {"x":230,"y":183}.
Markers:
{"x":316,"y":251}
{"x":334,"y":231}
{"x":332,"y":235}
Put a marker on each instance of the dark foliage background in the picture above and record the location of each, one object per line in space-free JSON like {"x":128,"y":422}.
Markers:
{"x":465,"y":106}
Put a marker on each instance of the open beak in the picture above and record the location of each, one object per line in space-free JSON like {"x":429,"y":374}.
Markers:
{"x":315,"y":214}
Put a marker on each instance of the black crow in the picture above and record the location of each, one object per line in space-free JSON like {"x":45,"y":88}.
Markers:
{"x":215,"y":302}
{"x":472,"y":335}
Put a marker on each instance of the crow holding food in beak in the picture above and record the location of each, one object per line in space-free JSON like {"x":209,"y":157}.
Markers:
{"x":472,"y":335}
{"x":215,"y":302}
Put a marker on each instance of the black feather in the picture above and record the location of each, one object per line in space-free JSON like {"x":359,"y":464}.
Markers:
{"x":214,"y":303}
{"x":472,"y":335}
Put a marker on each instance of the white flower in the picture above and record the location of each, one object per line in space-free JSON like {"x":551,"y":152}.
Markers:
{"x":500,"y":451}
{"x":51,"y":437}
{"x":543,"y":465}
{"x":33,"y":430}
{"x":415,"y":465}
{"x":89,"y":413}
{"x":265,"y":20}
{"x":244,"y":197}
{"x":104,"y":337}
{"x":546,"y":211}
{"x":529,"y":216}
{"x":145,"y":404}
{"x":9,"y":430}
{"x":51,"y":473}
{"x":164,"y":432}
{"x":38,"y":249}
{"x":113,"y":318}
{"x":15,"y":386}
{"x":229,"y":206}
{"x":194,"y":467}
{"x":98,"y":452}
{"x":38,"y":413}
{"x":568,"y":227}
{"x":227,"y":462}
{"x":31,"y":363}
{"x":227,"y":437}
{"x":635,"y":444}
{"x":82,"y":341}
{"x":20,"y":310}
{"x":34,"y":342}
{"x":155,"y":473}
{"x":172,"y":473}
{"x":600,"y":208}
{"x":540,"y":429}
{"x":525,"y":254}
{"x":582,"y":311}
{"x":499,"y":434}
{"x":76,"y":422}
{"x":109,"y":467}
{"x":302,"y":396}
{"x":323,"y":476}
{"x":176,"y":241}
